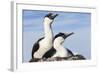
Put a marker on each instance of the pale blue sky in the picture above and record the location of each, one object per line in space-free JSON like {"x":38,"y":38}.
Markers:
{"x":79,"y":23}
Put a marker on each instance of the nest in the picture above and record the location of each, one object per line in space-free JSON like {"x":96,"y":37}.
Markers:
{"x":75,"y":57}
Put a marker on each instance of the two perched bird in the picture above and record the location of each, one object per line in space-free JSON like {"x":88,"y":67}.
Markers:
{"x":50,"y":46}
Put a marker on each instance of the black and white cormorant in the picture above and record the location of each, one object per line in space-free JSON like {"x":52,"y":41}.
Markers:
{"x":58,"y":50}
{"x":45,"y":43}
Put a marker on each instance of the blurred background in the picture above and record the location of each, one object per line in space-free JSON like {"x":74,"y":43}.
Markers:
{"x":79,"y":23}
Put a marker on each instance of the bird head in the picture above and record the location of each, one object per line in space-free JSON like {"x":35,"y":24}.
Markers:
{"x":49,"y":18}
{"x":65,"y":35}
{"x":60,"y":37}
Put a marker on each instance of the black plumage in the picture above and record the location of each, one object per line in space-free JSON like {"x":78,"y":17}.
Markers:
{"x":52,"y":51}
{"x":36,"y":47}
{"x":70,"y":52}
{"x":60,"y":34}
{"x":49,"y":53}
{"x":48,"y":18}
{"x":51,"y":16}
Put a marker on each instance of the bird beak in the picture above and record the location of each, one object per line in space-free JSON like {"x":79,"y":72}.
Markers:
{"x":68,"y":34}
{"x":53,"y":16}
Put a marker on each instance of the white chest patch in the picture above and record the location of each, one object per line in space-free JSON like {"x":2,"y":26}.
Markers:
{"x":61,"y":52}
{"x":44,"y":46}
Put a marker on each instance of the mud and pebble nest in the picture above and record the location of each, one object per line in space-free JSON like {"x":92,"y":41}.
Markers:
{"x":75,"y":57}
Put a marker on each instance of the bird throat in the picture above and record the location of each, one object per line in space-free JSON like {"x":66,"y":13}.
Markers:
{"x":48,"y":33}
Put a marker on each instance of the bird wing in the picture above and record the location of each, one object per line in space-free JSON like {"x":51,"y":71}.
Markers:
{"x":49,"y":53}
{"x":36,"y":47}
{"x":70,"y":52}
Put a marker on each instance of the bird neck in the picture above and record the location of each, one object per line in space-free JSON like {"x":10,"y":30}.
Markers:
{"x":57,"y":45}
{"x":48,"y":31}
{"x":59,"y":48}
{"x":61,"y":51}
